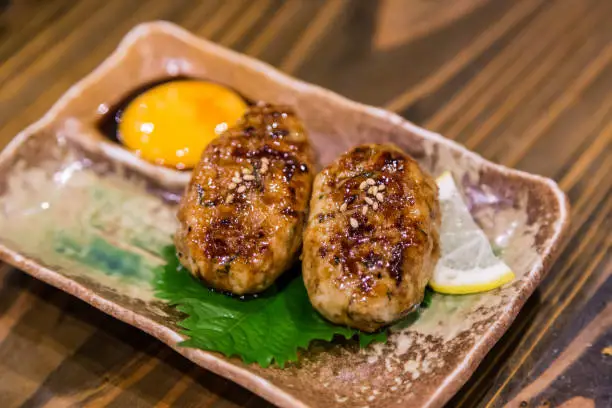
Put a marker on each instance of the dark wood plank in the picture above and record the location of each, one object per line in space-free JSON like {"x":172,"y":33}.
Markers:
{"x":526,"y":83}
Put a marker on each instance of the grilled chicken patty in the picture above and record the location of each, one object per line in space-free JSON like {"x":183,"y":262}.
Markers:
{"x":371,"y":242}
{"x":243,"y":213}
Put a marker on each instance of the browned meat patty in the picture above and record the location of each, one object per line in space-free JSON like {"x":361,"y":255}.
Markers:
{"x":371,"y":242}
{"x":243,"y":214}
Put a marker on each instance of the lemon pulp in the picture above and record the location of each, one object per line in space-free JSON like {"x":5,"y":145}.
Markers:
{"x":467,"y":263}
{"x":172,"y":124}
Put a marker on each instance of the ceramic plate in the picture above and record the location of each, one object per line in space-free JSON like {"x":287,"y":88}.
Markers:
{"x":79,"y":212}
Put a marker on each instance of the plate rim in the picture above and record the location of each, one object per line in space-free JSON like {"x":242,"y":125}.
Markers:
{"x":214,"y":362}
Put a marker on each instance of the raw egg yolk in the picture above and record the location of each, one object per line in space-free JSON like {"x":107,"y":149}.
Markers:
{"x":172,"y":124}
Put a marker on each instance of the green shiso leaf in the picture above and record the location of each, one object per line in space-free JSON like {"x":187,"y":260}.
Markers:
{"x":271,"y":327}
{"x":427,"y":297}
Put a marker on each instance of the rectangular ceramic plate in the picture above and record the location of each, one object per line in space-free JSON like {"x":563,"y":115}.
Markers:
{"x":86,"y":216}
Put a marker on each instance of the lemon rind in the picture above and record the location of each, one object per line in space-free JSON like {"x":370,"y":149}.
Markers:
{"x":466,"y":289}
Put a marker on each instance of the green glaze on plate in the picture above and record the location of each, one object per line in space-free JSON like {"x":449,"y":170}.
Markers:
{"x":85,"y":220}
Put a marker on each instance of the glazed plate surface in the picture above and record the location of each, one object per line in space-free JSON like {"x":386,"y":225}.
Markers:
{"x":79,"y":212}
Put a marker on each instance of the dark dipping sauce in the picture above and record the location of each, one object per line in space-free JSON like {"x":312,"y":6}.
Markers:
{"x":108,"y":124}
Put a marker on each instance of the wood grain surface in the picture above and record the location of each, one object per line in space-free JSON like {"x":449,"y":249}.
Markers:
{"x":526,"y":83}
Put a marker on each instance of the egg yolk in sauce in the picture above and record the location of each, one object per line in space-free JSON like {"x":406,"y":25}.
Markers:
{"x":171,"y":124}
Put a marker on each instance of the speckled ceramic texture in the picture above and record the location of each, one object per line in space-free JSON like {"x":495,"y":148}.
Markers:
{"x":84,"y":215}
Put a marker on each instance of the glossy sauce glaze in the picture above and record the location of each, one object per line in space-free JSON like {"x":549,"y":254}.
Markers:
{"x":242,"y":216}
{"x":372,"y":237}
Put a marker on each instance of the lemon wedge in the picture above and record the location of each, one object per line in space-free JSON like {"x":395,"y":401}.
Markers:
{"x":467,"y":263}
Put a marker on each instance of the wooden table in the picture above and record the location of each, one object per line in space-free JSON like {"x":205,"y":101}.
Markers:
{"x":526,"y":83}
